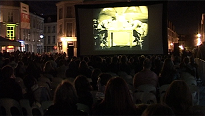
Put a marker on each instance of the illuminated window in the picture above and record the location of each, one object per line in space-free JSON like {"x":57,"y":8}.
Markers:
{"x":10,"y":31}
{"x":10,"y":47}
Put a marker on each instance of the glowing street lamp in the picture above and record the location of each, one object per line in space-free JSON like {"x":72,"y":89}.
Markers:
{"x":41,"y":36}
{"x":181,"y":47}
{"x":198,"y":35}
{"x":199,"y":42}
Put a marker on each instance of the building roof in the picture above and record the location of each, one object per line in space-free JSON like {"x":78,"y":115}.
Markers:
{"x":50,"y":18}
{"x":10,"y":3}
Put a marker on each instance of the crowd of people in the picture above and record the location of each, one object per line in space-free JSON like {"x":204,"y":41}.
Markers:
{"x":105,"y":84}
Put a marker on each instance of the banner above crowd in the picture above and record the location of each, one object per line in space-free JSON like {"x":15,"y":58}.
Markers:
{"x":25,"y":18}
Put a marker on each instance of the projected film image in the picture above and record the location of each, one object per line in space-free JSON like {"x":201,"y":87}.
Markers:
{"x":121,"y":28}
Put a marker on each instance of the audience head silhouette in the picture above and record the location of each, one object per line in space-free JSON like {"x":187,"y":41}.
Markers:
{"x":147,"y":63}
{"x":158,"y":109}
{"x":102,"y":81}
{"x":65,"y":100}
{"x":168,"y":64}
{"x":65,"y":93}
{"x":118,"y":100}
{"x":7,"y":72}
{"x":82,"y":84}
{"x":178,"y":97}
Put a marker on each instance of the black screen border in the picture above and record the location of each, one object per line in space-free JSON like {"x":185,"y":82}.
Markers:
{"x":125,"y":4}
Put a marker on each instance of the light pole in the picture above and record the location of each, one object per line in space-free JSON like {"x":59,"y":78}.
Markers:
{"x":202,"y":27}
{"x":199,"y":41}
{"x":41,"y":43}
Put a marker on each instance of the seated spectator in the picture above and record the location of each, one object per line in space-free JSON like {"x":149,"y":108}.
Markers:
{"x":83,"y":89}
{"x":98,"y":63}
{"x":9,"y":88}
{"x":168,"y":72}
{"x":49,"y":71}
{"x":185,"y":66}
{"x":141,"y":108}
{"x":12,"y":62}
{"x":35,"y":94}
{"x":178,"y":97}
{"x":61,"y":69}
{"x":65,"y":100}
{"x":157,"y":64}
{"x":5,"y":61}
{"x":124,"y":66}
{"x":101,"y":83}
{"x":194,"y":65}
{"x":107,"y":62}
{"x":33,"y":69}
{"x":114,"y":65}
{"x":1,"y":60}
{"x":158,"y":109}
{"x":83,"y":69}
{"x":145,"y":76}
{"x":20,"y":70}
{"x":86,"y":59}
{"x":72,"y":70}
{"x":94,"y":76}
{"x":117,"y":101}
{"x":139,"y":63}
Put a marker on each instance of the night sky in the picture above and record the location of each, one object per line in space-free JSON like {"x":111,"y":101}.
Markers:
{"x":43,"y":7}
{"x":185,"y":15}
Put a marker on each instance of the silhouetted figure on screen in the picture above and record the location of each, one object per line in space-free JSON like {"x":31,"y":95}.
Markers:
{"x":104,"y":33}
{"x":137,"y":36}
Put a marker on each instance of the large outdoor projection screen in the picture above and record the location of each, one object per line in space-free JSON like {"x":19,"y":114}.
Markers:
{"x":121,"y":28}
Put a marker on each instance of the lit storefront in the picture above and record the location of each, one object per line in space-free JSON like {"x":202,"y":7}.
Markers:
{"x":68,"y":45}
{"x":8,"y":45}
